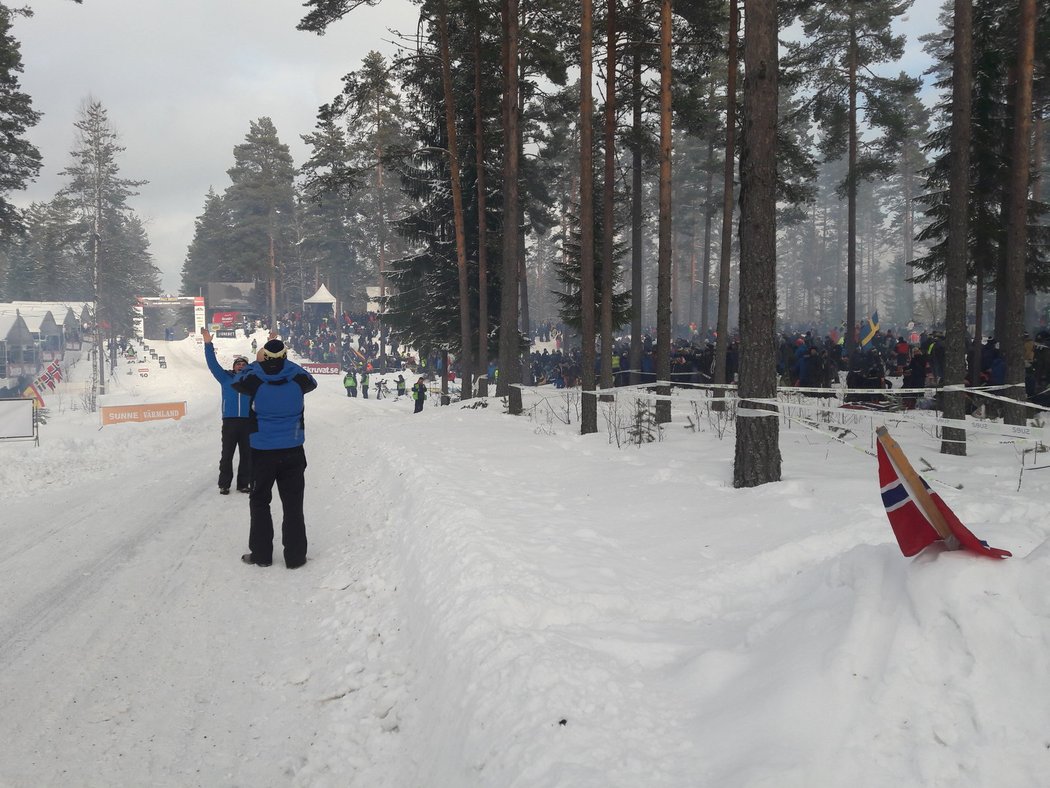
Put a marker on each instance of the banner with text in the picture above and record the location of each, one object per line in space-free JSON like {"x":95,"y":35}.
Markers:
{"x":322,"y":369}
{"x":120,"y":414}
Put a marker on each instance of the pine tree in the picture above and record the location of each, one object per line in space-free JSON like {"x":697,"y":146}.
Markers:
{"x":45,"y":260}
{"x":261,"y":202}
{"x":842,"y":43}
{"x":208,"y":258}
{"x":568,"y":273}
{"x":902,"y":198}
{"x":994,"y":39}
{"x":19,"y":159}
{"x":328,"y":232}
{"x":757,"y":456}
{"x":423,"y":305}
{"x":373,"y":107}
{"x":115,"y":249}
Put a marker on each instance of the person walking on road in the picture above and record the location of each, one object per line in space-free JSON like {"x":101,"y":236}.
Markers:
{"x":236,"y":421}
{"x":277,"y":388}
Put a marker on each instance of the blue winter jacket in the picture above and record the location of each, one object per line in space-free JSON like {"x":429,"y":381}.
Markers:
{"x":277,"y":402}
{"x":234,"y":405}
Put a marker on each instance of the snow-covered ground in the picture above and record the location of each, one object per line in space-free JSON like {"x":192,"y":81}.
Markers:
{"x":497,"y":601}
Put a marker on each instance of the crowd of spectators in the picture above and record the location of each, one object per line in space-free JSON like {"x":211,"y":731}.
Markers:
{"x":812,"y":358}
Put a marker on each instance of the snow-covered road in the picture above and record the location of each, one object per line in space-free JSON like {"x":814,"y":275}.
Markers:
{"x":146,"y":651}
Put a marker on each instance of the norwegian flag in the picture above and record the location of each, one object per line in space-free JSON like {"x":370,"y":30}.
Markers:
{"x":51,"y":375}
{"x":913,"y":527}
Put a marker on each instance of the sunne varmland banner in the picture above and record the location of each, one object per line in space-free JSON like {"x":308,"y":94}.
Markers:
{"x":120,"y":414}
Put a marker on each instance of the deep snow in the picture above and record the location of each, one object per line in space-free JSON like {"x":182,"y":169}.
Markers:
{"x":498,"y":601}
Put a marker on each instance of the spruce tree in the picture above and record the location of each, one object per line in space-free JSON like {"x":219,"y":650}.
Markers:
{"x":209,"y":258}
{"x":19,"y":159}
{"x":568,"y":273}
{"x":261,"y":201}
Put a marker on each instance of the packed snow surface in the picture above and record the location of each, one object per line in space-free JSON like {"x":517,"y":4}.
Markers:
{"x":496,"y":601}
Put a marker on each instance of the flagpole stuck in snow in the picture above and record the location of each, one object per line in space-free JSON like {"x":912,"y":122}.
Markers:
{"x":916,"y":487}
{"x":919,"y":516}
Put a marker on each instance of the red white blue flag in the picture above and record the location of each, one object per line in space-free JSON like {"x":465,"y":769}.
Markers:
{"x":912,"y":526}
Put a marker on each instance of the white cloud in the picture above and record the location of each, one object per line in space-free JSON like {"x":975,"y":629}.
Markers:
{"x":181,"y":83}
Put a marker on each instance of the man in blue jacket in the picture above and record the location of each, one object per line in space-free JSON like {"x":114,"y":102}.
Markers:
{"x":277,"y":387}
{"x":236,"y":421}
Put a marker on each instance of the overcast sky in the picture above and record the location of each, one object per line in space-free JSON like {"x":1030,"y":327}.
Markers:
{"x":182,"y":79}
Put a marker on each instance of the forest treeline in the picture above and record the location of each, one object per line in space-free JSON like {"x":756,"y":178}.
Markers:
{"x":624,"y":167}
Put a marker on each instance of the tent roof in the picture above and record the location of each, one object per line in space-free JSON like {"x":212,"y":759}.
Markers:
{"x":322,"y":296}
{"x":35,"y":317}
{"x":13,"y":325}
{"x":57,"y":308}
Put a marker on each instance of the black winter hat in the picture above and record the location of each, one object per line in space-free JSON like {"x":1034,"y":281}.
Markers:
{"x":274,"y":349}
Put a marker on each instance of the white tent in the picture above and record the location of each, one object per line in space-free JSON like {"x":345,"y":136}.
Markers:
{"x":322,"y":298}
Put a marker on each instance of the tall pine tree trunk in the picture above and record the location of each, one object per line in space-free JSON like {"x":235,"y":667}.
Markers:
{"x":705,"y":269}
{"x":954,"y":440}
{"x":663,"y":265}
{"x":523,"y":307}
{"x":483,"y":288}
{"x":637,"y":296}
{"x":722,"y":326}
{"x":466,"y":367}
{"x":909,"y":238}
{"x":381,"y":238}
{"x":525,"y":324}
{"x":509,"y":353}
{"x":589,"y":403}
{"x":1012,"y":342}
{"x":608,"y":181}
{"x":757,"y":459}
{"x":978,"y":321}
{"x":851,"y":186}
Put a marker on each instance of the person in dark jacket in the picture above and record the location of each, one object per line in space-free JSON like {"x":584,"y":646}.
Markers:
{"x":277,"y":388}
{"x":419,"y":394}
{"x":236,"y":421}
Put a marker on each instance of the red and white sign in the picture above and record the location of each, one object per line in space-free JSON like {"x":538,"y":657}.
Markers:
{"x":226,"y":319}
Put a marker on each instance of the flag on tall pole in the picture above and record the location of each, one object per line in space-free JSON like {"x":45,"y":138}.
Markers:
{"x":918,"y":515}
{"x":873,"y":328}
